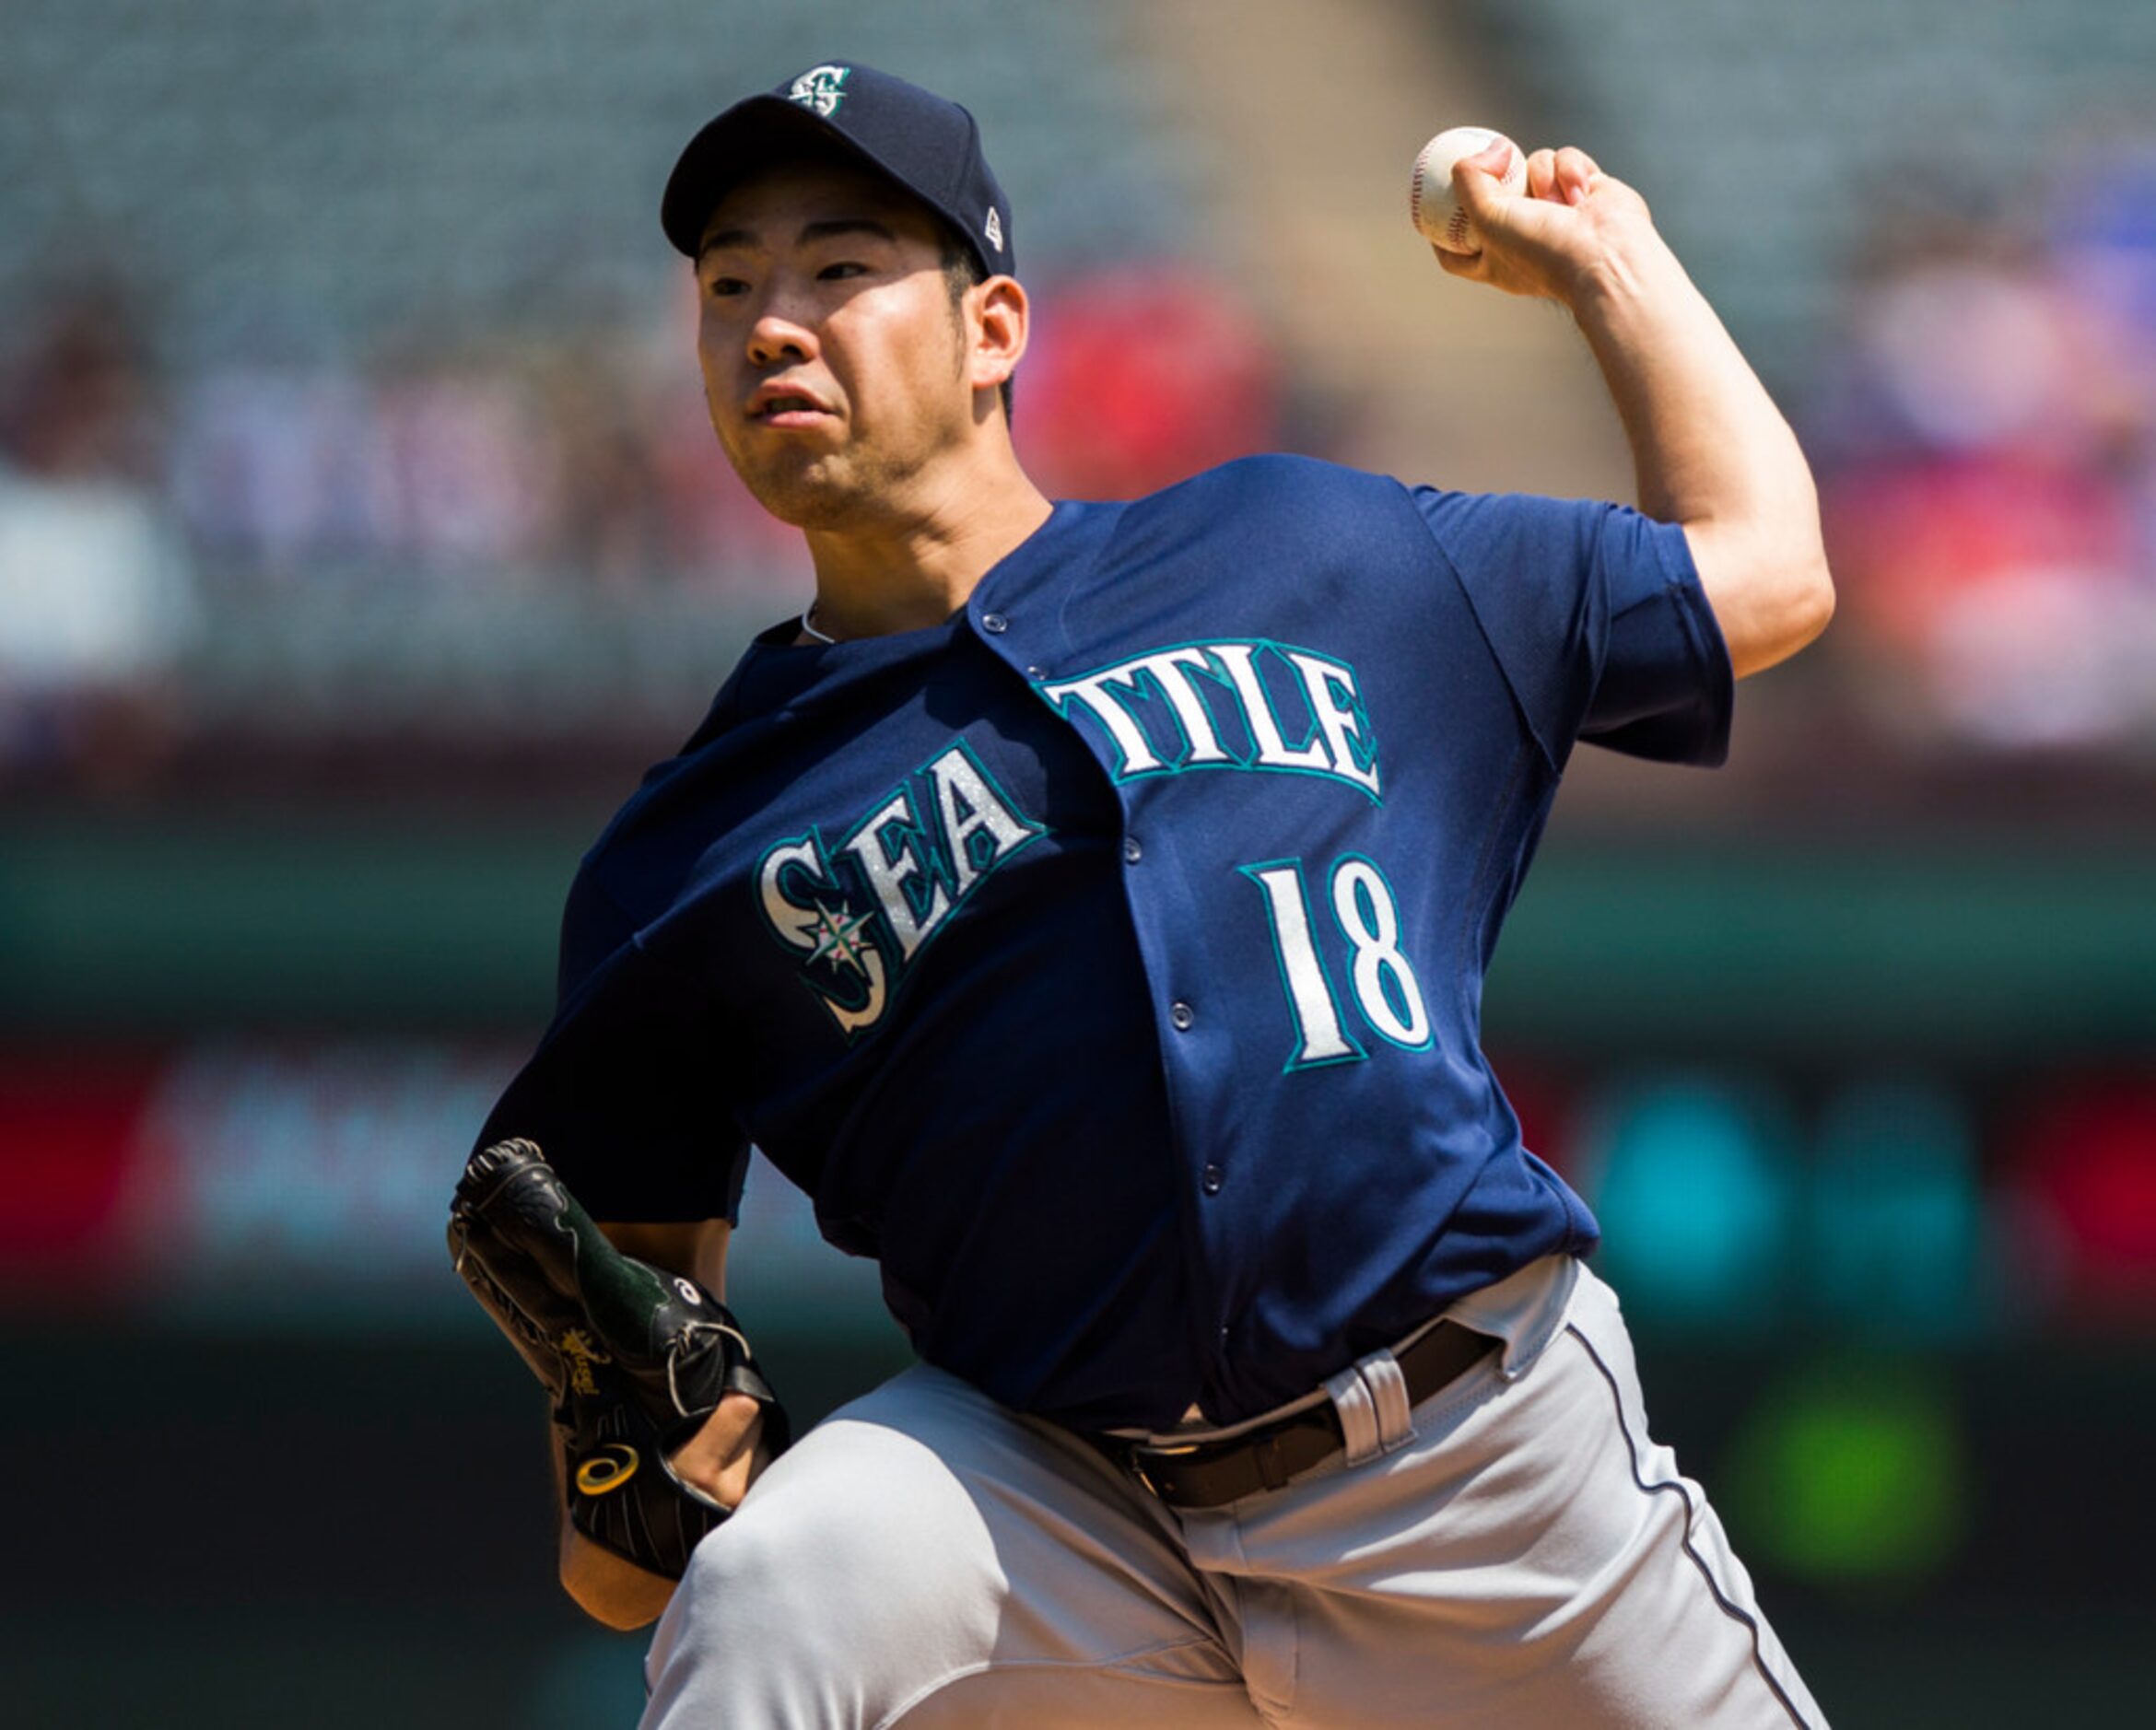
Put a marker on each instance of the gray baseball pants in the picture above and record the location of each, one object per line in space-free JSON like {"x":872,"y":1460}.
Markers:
{"x":1513,"y":1553}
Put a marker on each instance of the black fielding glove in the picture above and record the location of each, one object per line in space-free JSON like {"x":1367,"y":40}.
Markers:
{"x":634,"y":1358}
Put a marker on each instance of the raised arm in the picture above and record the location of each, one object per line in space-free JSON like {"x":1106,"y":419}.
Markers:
{"x":1712,"y":451}
{"x":722,"y":1459}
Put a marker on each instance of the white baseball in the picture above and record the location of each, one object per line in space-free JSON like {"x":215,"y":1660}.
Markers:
{"x":1438,"y":215}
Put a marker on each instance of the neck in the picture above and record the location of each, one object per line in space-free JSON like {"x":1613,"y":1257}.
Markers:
{"x":917,"y":569}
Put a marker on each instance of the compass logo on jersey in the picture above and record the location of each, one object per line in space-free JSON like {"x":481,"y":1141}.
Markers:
{"x":858,"y":912}
{"x":821,"y":89}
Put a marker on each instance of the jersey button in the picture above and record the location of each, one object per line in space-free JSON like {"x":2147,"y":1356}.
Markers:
{"x":1182,"y":1014}
{"x":995,"y":623}
{"x":1132,"y":853}
{"x":1210,"y":1179}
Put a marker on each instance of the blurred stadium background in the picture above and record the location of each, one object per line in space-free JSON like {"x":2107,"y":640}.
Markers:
{"x":360,"y":540}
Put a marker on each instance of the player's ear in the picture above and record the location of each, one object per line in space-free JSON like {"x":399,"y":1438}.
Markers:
{"x":997,"y":331}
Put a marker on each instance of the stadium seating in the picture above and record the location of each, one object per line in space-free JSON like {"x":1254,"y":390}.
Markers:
{"x":356,"y":171}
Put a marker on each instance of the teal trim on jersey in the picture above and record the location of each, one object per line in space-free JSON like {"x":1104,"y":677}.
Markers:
{"x":937,"y":865}
{"x":1355,"y":1053}
{"x":842,"y":874}
{"x":1034,"y":830}
{"x":852,"y":1002}
{"x":814,"y":837}
{"x":919,"y":889}
{"x":833,"y":1002}
{"x":1148,"y":682}
{"x":1430,"y":1038}
{"x":1362,"y":747}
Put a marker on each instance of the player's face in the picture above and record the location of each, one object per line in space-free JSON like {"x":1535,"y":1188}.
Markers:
{"x":833,"y":360}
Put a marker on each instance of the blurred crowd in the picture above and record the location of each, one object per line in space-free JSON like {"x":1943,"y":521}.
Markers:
{"x":145,"y":509}
{"x":1983,"y":420}
{"x":97,"y":594}
{"x":1985,"y":436}
{"x":140,"y":505}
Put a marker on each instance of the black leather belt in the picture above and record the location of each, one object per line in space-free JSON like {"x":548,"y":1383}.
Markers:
{"x":1213,"y":1474}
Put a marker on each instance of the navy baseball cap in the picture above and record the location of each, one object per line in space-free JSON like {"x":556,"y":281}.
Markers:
{"x":928,"y":145}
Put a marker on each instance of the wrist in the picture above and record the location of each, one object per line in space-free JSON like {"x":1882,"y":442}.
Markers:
{"x":1620,"y":280}
{"x":722,"y":1459}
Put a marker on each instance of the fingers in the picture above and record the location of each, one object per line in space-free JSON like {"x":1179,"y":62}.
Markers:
{"x":1475,"y":178}
{"x":1573,"y":175}
{"x":719,"y":1459}
{"x":1466,"y":265}
{"x":1563,"y":176}
{"x":1541,"y":243}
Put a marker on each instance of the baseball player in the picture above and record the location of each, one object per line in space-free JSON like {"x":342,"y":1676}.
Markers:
{"x":1087,"y":905}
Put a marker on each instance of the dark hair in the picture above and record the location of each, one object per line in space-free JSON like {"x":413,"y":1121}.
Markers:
{"x":964,"y":270}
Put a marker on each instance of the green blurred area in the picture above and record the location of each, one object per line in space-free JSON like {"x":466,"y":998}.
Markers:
{"x":1892,"y":1483}
{"x":350,"y":1534}
{"x":153,"y":923}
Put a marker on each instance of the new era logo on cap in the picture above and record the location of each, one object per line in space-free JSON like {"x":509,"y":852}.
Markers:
{"x":928,"y":145}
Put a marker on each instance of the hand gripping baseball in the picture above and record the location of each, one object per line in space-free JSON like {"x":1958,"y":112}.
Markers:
{"x":1574,"y":222}
{"x":634,"y":1358}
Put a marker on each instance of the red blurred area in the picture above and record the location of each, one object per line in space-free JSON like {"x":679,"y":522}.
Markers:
{"x":68,"y":1127}
{"x":2088,"y":1165}
{"x":1140,"y":378}
{"x":1541,"y":1098}
{"x":1987,"y":443}
{"x":1923,"y":538}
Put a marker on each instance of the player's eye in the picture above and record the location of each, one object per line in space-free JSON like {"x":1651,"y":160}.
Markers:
{"x":725,"y":288}
{"x":841,"y":270}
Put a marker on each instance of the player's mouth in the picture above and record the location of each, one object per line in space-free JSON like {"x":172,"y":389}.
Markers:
{"x":784,"y":405}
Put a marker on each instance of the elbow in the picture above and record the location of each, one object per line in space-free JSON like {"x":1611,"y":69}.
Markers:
{"x":1811,"y":604}
{"x":1808,"y":582}
{"x":1770,"y":588}
{"x":1787,"y":614}
{"x":1772,"y":605}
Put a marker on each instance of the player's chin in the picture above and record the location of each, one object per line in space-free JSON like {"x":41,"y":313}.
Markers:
{"x":808,"y":494}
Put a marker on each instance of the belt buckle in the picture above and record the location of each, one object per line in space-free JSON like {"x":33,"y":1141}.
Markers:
{"x":1135,"y":1459}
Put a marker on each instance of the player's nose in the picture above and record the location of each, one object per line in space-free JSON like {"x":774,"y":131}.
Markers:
{"x":772,"y":340}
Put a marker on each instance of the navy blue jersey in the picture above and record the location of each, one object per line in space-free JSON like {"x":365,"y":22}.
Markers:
{"x":1106,"y":961}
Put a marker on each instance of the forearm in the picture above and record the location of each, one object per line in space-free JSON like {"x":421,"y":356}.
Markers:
{"x":1708,"y":442}
{"x":720,"y":1459}
{"x":1710,"y":449}
{"x":1713,"y":452}
{"x":655,"y":1395}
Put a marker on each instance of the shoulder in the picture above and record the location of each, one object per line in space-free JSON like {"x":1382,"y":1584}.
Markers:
{"x":1268,"y":509}
{"x":1272,"y":480}
{"x":639,"y":862}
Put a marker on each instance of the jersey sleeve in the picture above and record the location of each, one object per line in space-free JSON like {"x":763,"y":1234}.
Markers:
{"x":624,"y":1094}
{"x":1596,"y":615}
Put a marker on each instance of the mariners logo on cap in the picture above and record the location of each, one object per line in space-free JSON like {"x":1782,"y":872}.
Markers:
{"x":820,"y":89}
{"x":993,"y":228}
